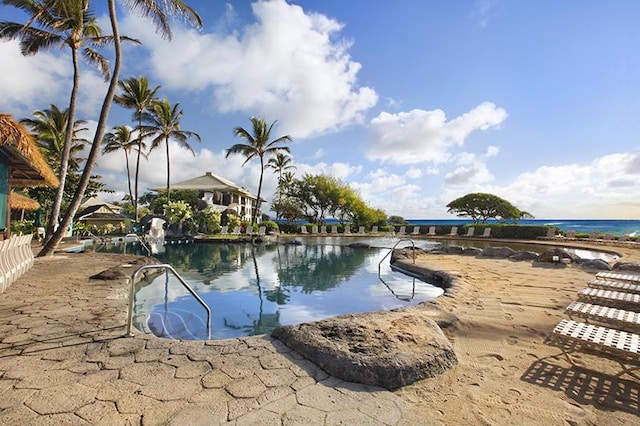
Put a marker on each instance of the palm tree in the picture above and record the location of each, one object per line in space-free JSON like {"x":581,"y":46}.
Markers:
{"x":280,"y":163}
{"x":136,"y":95}
{"x":158,"y":11}
{"x":163,"y":125}
{"x":120,"y":139}
{"x":50,"y":128}
{"x":55,"y":24}
{"x":258,"y":145}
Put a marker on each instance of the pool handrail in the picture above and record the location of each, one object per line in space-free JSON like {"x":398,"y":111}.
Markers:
{"x":413,"y":252}
{"x":137,"y":238}
{"x":166,"y":268}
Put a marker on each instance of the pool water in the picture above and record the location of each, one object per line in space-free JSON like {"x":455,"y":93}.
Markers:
{"x":251,"y":289}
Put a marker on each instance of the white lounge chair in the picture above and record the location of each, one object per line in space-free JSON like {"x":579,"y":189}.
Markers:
{"x":571,"y":235}
{"x":236,"y":230}
{"x":620,"y":346}
{"x":314,"y":229}
{"x":624,"y":286}
{"x":416,"y":230}
{"x":551,"y":233}
{"x":402,"y":230}
{"x":303,"y":229}
{"x":323,"y":229}
{"x":224,"y":230}
{"x":262,"y":230}
{"x":610,"y":297}
{"x":618,"y":276}
{"x":432,"y":230}
{"x":619,"y":318}
{"x":595,"y":235}
{"x":470,"y":232}
{"x":374,"y":229}
{"x":347,"y":230}
{"x":486,"y":233}
{"x":454,"y":231}
{"x":334,"y":229}
{"x":361,"y":230}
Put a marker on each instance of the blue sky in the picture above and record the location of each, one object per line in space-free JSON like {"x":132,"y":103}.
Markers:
{"x":413,"y":103}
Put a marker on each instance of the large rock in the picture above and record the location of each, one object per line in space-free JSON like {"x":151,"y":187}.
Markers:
{"x":524,"y":255}
{"x":557,"y":255}
{"x":388,"y":348}
{"x":595,"y":264}
{"x":499,"y":252}
{"x":627,"y":266}
{"x":125,"y":270}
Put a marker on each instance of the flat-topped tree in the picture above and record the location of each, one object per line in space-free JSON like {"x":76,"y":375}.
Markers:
{"x":481,"y":206}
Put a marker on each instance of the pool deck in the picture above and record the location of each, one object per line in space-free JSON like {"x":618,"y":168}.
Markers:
{"x":65,"y":358}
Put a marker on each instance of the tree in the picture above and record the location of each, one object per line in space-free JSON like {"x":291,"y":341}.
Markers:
{"x":157,"y":11}
{"x":163,"y":125}
{"x":280,"y":164}
{"x":55,"y":24}
{"x":258,"y":145}
{"x":480,"y":207}
{"x":136,"y":95}
{"x":120,"y":139}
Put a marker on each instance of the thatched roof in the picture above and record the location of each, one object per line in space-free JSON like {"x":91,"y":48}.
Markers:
{"x":28,"y":166}
{"x":20,"y":202}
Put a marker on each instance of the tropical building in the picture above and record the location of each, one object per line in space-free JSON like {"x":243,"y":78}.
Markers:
{"x":21,"y":165}
{"x":97,"y":213}
{"x":223,"y":194}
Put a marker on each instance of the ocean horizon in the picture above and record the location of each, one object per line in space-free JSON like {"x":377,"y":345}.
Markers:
{"x":616,"y":227}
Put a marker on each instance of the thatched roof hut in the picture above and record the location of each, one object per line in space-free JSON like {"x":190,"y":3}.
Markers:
{"x":27,"y":164}
{"x":18,"y":201}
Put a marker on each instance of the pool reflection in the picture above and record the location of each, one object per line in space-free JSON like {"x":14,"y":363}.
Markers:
{"x":252,"y":289}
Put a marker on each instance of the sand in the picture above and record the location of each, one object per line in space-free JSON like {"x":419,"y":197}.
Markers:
{"x":506,"y":373}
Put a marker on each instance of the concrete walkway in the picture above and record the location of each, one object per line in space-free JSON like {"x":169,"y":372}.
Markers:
{"x":65,"y":359}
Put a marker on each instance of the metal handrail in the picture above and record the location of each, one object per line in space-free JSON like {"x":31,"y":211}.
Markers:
{"x":166,"y":268}
{"x":137,"y":237}
{"x":413,"y":251}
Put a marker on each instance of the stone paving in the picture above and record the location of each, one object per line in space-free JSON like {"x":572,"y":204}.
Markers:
{"x":65,"y":359}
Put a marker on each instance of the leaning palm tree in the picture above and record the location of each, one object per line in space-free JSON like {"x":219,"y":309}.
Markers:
{"x":258,"y":145}
{"x":121,"y":139}
{"x":158,"y":11}
{"x":163,"y":126}
{"x":55,"y":24}
{"x":136,"y":95}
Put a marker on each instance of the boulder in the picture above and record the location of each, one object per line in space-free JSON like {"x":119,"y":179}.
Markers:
{"x":125,"y":270}
{"x":472,"y":251}
{"x":557,"y":255}
{"x":595,"y":264}
{"x":454,"y":249}
{"x":387,"y":348}
{"x":406,"y":253}
{"x":523,"y":255}
{"x":627,"y":266}
{"x":498,"y":252}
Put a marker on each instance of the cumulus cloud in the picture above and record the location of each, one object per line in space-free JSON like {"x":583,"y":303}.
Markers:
{"x":32,"y":82}
{"x":420,"y":136}
{"x":290,"y":65}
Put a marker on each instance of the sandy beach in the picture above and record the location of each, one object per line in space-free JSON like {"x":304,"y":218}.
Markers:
{"x":506,"y":373}
{"x":87,"y":373}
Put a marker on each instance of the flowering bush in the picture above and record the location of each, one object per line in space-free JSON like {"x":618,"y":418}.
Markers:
{"x":177,"y":211}
{"x":208,"y":220}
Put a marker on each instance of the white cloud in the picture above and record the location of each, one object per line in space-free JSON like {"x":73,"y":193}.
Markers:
{"x":469,"y":174}
{"x":492,"y":151}
{"x":413,"y":173}
{"x":289,"y":65}
{"x":29,"y":83}
{"x":421,"y":136}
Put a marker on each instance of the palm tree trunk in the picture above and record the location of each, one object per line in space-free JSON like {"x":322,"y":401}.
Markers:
{"x":135,"y":205}
{"x":255,"y":211}
{"x":66,"y":148}
{"x":53,"y":242}
{"x":126,"y":157}
{"x":166,"y":141}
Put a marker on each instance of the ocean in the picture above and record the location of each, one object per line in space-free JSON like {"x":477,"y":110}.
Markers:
{"x":616,"y":227}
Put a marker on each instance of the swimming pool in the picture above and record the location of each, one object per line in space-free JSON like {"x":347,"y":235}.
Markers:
{"x":251,"y":289}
